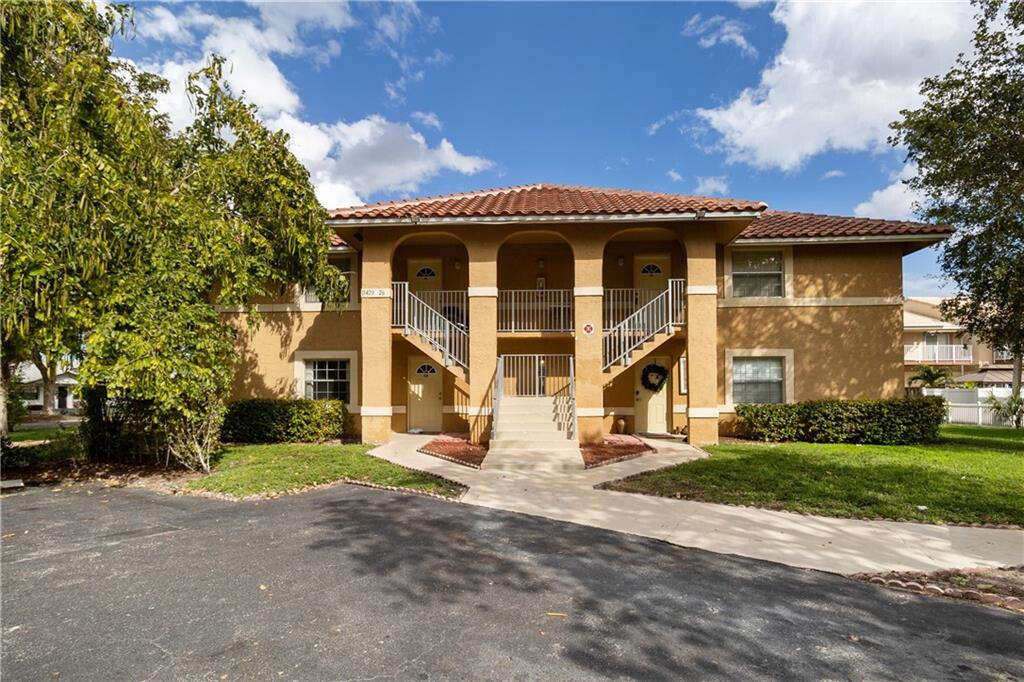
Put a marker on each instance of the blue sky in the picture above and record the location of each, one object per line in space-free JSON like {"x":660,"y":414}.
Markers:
{"x":784,"y":103}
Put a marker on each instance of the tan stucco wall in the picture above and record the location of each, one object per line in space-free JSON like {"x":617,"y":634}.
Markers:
{"x":849,"y":271}
{"x":838,"y":351}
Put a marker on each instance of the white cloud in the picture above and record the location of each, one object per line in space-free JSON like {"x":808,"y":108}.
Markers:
{"x":159,"y":23}
{"x":350,"y":161}
{"x":842,"y":75}
{"x":834,"y":173}
{"x":347,"y":160}
{"x":440,"y":57}
{"x":673,"y":175}
{"x":715,"y":184}
{"x":894,"y":201}
{"x":718,"y":29}
{"x":427,"y":118}
{"x":653,"y":128}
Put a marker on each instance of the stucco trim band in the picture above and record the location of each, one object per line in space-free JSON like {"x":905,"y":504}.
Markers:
{"x":702,"y":289}
{"x":588,"y":291}
{"x":703,"y":412}
{"x":375,"y":292}
{"x":809,"y":302}
{"x":375,"y":411}
{"x":589,"y":411}
{"x":481,"y":292}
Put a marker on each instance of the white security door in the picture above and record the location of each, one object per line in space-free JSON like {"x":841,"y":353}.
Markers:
{"x":651,"y":407}
{"x":424,"y":408}
{"x":651,"y":272}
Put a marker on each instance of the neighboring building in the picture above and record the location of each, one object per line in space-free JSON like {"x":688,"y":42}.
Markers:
{"x":31,"y":388}
{"x":666,"y":310}
{"x":930,"y":340}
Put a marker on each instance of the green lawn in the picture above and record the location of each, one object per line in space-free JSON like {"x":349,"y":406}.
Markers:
{"x":972,"y":475}
{"x":258,"y":469}
{"x":44,"y":433}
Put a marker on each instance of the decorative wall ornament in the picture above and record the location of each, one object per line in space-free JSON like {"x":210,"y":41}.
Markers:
{"x":653,"y":377}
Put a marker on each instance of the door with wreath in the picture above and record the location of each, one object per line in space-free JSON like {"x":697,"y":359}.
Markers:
{"x":651,"y":391}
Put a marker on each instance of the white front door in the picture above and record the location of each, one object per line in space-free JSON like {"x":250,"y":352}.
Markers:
{"x":651,"y":272}
{"x":651,"y":407}
{"x":424,"y":408}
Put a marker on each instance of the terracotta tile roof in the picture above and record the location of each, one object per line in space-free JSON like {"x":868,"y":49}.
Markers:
{"x":554,"y":200}
{"x":787,"y":224}
{"x":337,"y":241}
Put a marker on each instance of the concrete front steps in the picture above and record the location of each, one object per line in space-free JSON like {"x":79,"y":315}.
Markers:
{"x":527,"y":438}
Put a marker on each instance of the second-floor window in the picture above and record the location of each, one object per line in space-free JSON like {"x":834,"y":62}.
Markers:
{"x":343,"y":263}
{"x":757,"y":274}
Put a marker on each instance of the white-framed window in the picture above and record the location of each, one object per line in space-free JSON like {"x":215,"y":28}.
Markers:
{"x":328,"y":379}
{"x":682,"y":376}
{"x":758,"y":380}
{"x":759,"y":274}
{"x":346,"y":265}
{"x":29,"y":393}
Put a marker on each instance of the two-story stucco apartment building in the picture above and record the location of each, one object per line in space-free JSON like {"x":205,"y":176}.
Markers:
{"x":657,"y":309}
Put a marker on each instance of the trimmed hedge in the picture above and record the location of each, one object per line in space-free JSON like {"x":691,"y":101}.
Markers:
{"x":895,"y":421}
{"x":299,"y":420}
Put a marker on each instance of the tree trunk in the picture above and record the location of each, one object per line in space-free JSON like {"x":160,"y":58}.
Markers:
{"x":48,"y":372}
{"x":1016,"y":375}
{"x":4,"y":376}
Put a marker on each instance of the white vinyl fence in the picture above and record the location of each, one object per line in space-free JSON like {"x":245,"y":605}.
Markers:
{"x":970,"y":405}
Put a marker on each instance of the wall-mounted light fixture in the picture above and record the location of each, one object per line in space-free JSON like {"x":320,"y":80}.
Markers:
{"x":540,"y":263}
{"x":458,"y":265}
{"x":622,"y":261}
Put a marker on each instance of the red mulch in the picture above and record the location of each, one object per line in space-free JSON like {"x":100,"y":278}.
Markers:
{"x":455,"y":447}
{"x":614,"y":448}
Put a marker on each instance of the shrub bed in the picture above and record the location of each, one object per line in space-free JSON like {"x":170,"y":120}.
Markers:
{"x":285,"y":421}
{"x":895,"y":421}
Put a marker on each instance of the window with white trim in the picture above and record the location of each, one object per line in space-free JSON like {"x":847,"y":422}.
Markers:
{"x":328,"y":380}
{"x":758,"y":274}
{"x":345,"y":265}
{"x":758,"y":380}
{"x":682,"y":375}
{"x":29,"y":393}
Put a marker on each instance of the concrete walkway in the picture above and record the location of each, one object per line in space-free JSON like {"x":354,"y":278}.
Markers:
{"x":835,"y":545}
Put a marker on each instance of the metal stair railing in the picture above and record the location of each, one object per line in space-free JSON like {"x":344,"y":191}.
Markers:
{"x":658,"y":315}
{"x":415,"y":316}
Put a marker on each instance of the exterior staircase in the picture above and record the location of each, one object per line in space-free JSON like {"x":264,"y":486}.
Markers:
{"x":532,"y":434}
{"x":645,"y":329}
{"x":425,"y":327}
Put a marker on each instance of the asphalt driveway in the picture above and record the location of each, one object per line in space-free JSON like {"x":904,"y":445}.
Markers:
{"x":350,"y":583}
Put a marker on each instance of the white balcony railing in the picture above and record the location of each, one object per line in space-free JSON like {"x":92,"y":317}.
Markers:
{"x":1002,"y":356}
{"x":938,"y":353}
{"x":535,"y":310}
{"x":621,"y":303}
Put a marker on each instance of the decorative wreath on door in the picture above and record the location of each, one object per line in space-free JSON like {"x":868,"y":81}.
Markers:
{"x":653,"y":377}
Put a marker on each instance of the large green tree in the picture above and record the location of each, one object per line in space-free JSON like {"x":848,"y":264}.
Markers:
{"x":967,"y":142}
{"x":120,"y":238}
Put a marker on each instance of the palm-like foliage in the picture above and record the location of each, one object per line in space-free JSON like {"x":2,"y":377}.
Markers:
{"x":931,"y":377}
